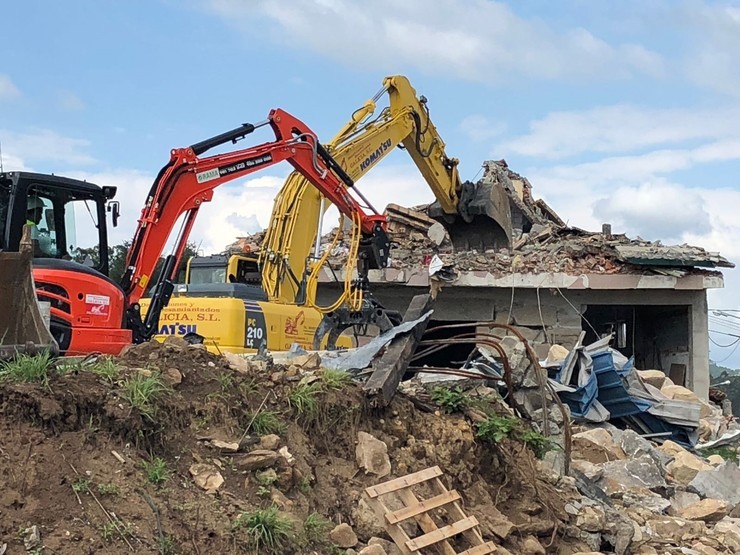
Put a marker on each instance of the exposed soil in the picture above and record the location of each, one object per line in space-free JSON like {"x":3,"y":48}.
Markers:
{"x":58,"y":463}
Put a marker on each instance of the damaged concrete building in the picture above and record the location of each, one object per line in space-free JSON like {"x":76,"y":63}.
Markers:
{"x":557,"y":284}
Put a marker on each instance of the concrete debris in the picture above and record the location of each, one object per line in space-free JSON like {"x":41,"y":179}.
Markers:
{"x":722,"y":482}
{"x":685,"y":467}
{"x":270,"y":442}
{"x":372,"y":455}
{"x":596,"y":446}
{"x":636,"y":473}
{"x":31,"y":538}
{"x":228,"y":446}
{"x":343,"y":536}
{"x":257,"y":459}
{"x":707,"y":510}
{"x":206,"y":476}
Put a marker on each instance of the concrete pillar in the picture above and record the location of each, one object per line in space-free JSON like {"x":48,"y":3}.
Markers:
{"x":698,"y":375}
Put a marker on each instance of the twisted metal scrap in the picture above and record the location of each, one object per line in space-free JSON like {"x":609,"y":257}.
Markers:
{"x":434,"y":345}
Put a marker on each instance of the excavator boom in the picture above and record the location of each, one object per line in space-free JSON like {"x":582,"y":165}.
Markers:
{"x":90,"y":312}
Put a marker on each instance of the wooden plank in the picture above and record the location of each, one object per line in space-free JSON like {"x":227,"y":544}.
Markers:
{"x":442,"y":534}
{"x":396,"y":532}
{"x":388,"y":371}
{"x":425,"y":521}
{"x":456,"y":512}
{"x":489,"y":547}
{"x":422,"y":507}
{"x":404,"y":481}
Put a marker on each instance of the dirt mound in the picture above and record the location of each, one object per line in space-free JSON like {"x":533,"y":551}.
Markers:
{"x":170,"y":449}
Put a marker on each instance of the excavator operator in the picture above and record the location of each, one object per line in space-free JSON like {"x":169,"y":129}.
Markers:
{"x":34,"y":213}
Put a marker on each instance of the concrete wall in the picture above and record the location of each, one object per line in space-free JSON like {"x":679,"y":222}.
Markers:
{"x":557,"y":315}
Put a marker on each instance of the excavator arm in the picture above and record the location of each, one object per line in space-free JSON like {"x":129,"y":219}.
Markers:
{"x":286,"y":257}
{"x":187,"y":181}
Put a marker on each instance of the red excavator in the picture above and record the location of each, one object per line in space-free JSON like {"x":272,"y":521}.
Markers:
{"x":89,"y":312}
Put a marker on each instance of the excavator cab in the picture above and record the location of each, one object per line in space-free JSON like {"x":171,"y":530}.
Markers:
{"x":46,"y":222}
{"x":220,"y":268}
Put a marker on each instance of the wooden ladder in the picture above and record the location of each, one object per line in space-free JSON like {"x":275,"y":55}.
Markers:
{"x":435,"y":534}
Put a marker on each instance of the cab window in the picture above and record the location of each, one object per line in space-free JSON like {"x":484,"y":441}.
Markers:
{"x":64,"y":224}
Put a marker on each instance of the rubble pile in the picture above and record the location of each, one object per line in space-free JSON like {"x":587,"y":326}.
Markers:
{"x":545,"y":248}
{"x":172,"y":449}
{"x":541,"y":242}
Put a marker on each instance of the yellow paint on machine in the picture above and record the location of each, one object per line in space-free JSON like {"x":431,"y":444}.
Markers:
{"x":234,"y":325}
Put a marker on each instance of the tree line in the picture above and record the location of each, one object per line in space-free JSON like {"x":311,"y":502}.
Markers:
{"x":117,"y":260}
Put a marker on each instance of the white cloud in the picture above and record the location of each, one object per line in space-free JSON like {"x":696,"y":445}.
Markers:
{"x":479,"y":128}
{"x":655,"y":210}
{"x":621,"y":128}
{"x":44,"y":145}
{"x":8,"y":90}
{"x":70,"y":102}
{"x":711,"y":62}
{"x":477,"y":40}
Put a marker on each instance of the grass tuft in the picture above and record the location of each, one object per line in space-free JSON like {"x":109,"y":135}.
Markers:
{"x":109,"y":489}
{"x":156,"y":471}
{"x":334,"y":379}
{"x":143,"y":392}
{"x":28,"y":368}
{"x":266,"y":422}
{"x":315,"y":529}
{"x":305,"y":399}
{"x":266,"y":531}
{"x":82,"y":485}
{"x":105,"y":368}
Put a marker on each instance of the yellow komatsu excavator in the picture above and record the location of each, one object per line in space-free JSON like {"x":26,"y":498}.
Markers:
{"x":236,"y":301}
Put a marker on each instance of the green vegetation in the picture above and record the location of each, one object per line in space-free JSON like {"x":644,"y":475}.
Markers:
{"x":226,"y":381}
{"x":304,"y":485}
{"x":266,"y":422}
{"x":496,"y":428}
{"x":109,"y":489}
{"x":110,"y":531}
{"x":266,"y":478}
{"x":315,"y":529}
{"x":305,"y":399}
{"x":143,"y":392}
{"x":82,"y":485}
{"x":334,"y":379}
{"x":156,"y":471}
{"x":166,"y":546}
{"x":28,"y":368}
{"x":265,"y":531}
{"x":452,"y":400}
{"x":727,"y":453}
{"x":106,"y":368}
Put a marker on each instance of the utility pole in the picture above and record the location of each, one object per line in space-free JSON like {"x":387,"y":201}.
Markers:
{"x":1,"y":157}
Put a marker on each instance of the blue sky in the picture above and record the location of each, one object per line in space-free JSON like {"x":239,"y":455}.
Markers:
{"x":622,"y":112}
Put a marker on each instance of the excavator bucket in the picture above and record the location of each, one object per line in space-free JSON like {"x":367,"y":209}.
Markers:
{"x":22,"y":327}
{"x":484,"y":221}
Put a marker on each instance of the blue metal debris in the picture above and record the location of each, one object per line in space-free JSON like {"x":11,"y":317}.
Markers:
{"x":600,"y":388}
